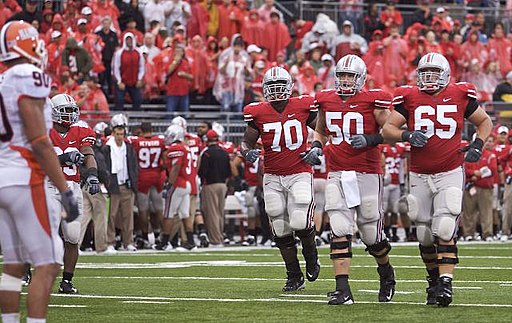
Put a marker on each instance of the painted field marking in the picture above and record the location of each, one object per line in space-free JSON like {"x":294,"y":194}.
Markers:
{"x":66,"y":306}
{"x":467,"y":287}
{"x":374,"y":291}
{"x":145,"y":302}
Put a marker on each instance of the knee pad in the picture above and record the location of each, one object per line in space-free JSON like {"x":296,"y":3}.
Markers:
{"x":332,"y":197}
{"x":340,"y":245}
{"x":369,"y":232}
{"x":251,"y":212}
{"x":301,"y":193}
{"x":379,"y":249}
{"x":449,"y":254}
{"x":428,"y":254}
{"x":424,"y":234}
{"x":339,"y":225}
{"x":299,"y":219}
{"x":274,"y":204}
{"x":412,"y":206}
{"x":453,"y":200}
{"x":281,"y":228}
{"x":285,"y":242}
{"x":444,"y":227}
{"x":10,"y":283}
{"x":72,"y":232}
{"x":370,"y":208}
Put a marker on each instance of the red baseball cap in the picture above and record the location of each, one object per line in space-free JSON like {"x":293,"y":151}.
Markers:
{"x":212,"y":135}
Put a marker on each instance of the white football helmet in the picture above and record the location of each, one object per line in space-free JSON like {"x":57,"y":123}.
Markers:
{"x":180,"y":121}
{"x":174,"y":133}
{"x":218,"y":128}
{"x":277,"y":84}
{"x":350,"y":64}
{"x":119,"y":120}
{"x":100,"y":127}
{"x":65,"y":111}
{"x":433,"y":72}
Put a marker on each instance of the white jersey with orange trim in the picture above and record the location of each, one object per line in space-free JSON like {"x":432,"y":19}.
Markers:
{"x":16,"y":159}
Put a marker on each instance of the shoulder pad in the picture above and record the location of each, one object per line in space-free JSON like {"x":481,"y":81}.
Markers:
{"x":30,"y":80}
{"x":381,"y":99}
{"x":468,"y":88}
{"x":400,"y":93}
{"x":249,"y":111}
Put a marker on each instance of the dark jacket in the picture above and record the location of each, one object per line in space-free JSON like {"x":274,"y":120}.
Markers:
{"x":502,"y":90}
{"x":215,"y":166}
{"x":133,"y":169}
{"x":101,"y":162}
{"x":83,"y":59}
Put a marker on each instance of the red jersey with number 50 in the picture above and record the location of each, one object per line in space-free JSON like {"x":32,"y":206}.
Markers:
{"x":442,"y":117}
{"x":79,"y":135}
{"x":343,"y":119}
{"x":194,"y":146}
{"x":149,"y":151}
{"x":284,"y":135}
{"x":393,"y":158}
{"x":178,"y":154}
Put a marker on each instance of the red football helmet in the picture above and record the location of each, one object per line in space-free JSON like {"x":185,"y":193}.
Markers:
{"x":21,"y":39}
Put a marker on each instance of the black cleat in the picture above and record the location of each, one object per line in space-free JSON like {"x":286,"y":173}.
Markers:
{"x":66,"y":287}
{"x":25,"y":280}
{"x":444,"y":291}
{"x":387,"y":283}
{"x":340,"y":297}
{"x":294,"y":283}
{"x":204,"y":242}
{"x":313,"y":269}
{"x":431,"y":291}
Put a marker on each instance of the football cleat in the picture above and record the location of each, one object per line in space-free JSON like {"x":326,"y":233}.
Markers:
{"x":204,"y":242}
{"x":189,"y":246}
{"x":25,"y":280}
{"x":294,"y":283}
{"x":387,"y":283}
{"x":66,"y":287}
{"x":318,"y":241}
{"x":431,"y":291}
{"x":312,"y":269}
{"x":444,"y":291}
{"x":250,"y":241}
{"x":340,"y":297}
{"x":162,"y":246}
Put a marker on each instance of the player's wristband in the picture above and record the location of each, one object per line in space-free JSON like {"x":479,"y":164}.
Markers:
{"x":316,"y":144}
{"x":374,"y":139}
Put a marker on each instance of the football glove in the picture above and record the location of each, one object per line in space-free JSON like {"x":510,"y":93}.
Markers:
{"x":251,"y":155}
{"x":473,"y":151}
{"x":71,"y":158}
{"x":70,"y":205}
{"x":311,"y":156}
{"x":363,"y":141}
{"x":93,"y":184}
{"x":416,"y":138}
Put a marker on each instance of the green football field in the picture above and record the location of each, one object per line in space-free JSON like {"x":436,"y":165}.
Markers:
{"x":244,"y":285}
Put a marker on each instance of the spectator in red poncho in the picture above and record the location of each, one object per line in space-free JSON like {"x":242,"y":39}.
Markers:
{"x":90,"y":98}
{"x":55,"y":49}
{"x":280,"y":61}
{"x":12,"y":5}
{"x":212,"y":54}
{"x":149,"y":46}
{"x":451,"y":51}
{"x":257,"y":80}
{"x":277,"y":36}
{"x":302,"y":27}
{"x":152,"y":79}
{"x":374,"y":60}
{"x":473,"y":49}
{"x":395,"y":54}
{"x":103,"y":8}
{"x":131,"y":27}
{"x":390,"y":17}
{"x":266,"y":9}
{"x":306,"y":79}
{"x":197,"y":23}
{"x":57,"y":24}
{"x":92,"y":43}
{"x":252,"y":29}
{"x":500,"y":48}
{"x":474,"y":75}
{"x":5,"y":13}
{"x":71,"y":13}
{"x":326,"y":73}
{"x":196,"y":54}
{"x":431,"y":43}
{"x":179,"y":77}
{"x":442,"y":16}
{"x":348,"y":42}
{"x":230,"y":19}
{"x":163,"y":60}
{"x":47,"y":21}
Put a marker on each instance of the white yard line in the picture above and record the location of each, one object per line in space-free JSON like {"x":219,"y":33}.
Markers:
{"x":374,"y":291}
{"x":290,"y":298}
{"x":467,"y":287}
{"x":66,"y":306}
{"x":145,"y":302}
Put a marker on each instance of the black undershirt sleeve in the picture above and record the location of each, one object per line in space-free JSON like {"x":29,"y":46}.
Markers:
{"x":312,"y":116}
{"x":470,"y":108}
{"x":402,"y":110}
{"x":252,"y":124}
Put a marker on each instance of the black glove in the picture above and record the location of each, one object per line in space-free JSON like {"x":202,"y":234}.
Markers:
{"x":70,"y":204}
{"x":402,"y":189}
{"x":363,"y":141}
{"x":165,"y":189}
{"x":93,"y":183}
{"x":71,"y":158}
{"x":311,"y":156}
{"x":473,"y":151}
{"x":508,"y":180}
{"x":416,"y":138}
{"x":501,"y":191}
{"x":251,"y":155}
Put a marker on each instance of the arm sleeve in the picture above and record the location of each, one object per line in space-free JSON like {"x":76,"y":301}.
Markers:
{"x":471,"y":108}
{"x":116,"y":65}
{"x":142,"y":67}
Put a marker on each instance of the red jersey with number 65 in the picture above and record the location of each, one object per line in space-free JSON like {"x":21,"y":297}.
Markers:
{"x":149,"y":151}
{"x":78,"y":136}
{"x":284,"y":135}
{"x":178,"y":154}
{"x":344,"y":119}
{"x":442,"y":117}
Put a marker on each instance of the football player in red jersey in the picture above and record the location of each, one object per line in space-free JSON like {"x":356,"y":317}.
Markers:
{"x":149,"y":150}
{"x":351,"y":118}
{"x":72,"y":141}
{"x":434,"y":113}
{"x":288,"y":182}
{"x":177,"y":201}
{"x":502,"y":152}
{"x":195,"y":145}
{"x":319,"y":182}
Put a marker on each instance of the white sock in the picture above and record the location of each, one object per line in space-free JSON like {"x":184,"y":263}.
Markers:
{"x":11,"y":318}
{"x":447,"y":275}
{"x":32,"y":320}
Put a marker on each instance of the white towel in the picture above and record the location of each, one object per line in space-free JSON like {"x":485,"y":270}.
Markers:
{"x":350,"y":188}
{"x":118,"y":157}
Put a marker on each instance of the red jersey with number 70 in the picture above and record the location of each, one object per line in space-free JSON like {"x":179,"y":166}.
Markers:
{"x":344,"y":119}
{"x":284,"y":135}
{"x":78,"y":136}
{"x":149,"y":151}
{"x":442,"y":117}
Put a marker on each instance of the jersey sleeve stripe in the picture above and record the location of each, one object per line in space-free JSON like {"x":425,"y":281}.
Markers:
{"x":398,"y":100}
{"x":383,"y":102}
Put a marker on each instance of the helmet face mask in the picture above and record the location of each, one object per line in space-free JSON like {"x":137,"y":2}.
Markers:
{"x":65,"y":111}
{"x":433,"y":73}
{"x":277,"y":85}
{"x":350,"y":75}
